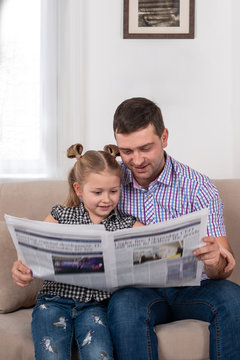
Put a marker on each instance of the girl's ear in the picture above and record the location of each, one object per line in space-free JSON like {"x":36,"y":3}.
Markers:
{"x":77,"y":189}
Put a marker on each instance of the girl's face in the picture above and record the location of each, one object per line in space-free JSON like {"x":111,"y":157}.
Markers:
{"x":100,"y":194}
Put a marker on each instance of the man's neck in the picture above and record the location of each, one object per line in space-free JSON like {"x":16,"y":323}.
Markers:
{"x":145,"y":183}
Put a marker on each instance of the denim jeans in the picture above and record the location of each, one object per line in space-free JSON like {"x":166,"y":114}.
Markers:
{"x":57,"y":321}
{"x":133,"y":313}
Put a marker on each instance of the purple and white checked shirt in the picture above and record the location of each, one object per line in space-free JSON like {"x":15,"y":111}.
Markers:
{"x":178,"y":190}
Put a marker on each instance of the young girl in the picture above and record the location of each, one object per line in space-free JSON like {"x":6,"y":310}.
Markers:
{"x":63,"y":311}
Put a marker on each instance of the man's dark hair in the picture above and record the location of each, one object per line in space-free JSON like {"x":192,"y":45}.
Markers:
{"x":137,"y":113}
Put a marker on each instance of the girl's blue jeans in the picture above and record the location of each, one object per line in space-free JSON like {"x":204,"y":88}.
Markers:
{"x":57,"y":321}
{"x":133,"y":313}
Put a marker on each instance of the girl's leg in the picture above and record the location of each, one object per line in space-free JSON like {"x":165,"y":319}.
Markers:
{"x":52,"y":328}
{"x":92,"y":333}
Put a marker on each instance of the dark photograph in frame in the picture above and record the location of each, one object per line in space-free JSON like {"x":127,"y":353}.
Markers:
{"x":159,"y":19}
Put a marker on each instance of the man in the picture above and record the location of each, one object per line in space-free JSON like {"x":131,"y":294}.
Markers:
{"x":156,"y":188}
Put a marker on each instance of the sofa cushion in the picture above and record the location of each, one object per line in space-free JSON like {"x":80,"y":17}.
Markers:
{"x":16,"y":338}
{"x":12,"y":297}
{"x":191,"y":340}
{"x":15,"y":335}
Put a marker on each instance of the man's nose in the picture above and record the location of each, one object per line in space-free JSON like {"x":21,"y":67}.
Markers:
{"x":138,"y":159}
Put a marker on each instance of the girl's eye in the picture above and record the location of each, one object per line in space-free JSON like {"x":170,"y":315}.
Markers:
{"x":97,"y":192}
{"x":114,"y":191}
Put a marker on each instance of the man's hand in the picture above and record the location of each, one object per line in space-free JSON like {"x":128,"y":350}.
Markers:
{"x":210,"y":253}
{"x":229,"y":258}
{"x":218,"y":260}
{"x":21,"y":274}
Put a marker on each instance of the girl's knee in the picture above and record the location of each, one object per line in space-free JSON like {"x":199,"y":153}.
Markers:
{"x":51,"y":347}
{"x":95,"y":344}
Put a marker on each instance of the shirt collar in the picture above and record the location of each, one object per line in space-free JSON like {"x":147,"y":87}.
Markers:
{"x":166,"y":174}
{"x":163,"y":178}
{"x":113,"y":214}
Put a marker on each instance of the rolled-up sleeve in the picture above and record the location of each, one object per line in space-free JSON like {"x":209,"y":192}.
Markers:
{"x":208,"y":197}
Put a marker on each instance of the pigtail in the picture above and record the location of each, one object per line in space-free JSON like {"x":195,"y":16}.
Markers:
{"x":72,"y":199}
{"x":112,"y":149}
{"x":75,"y":151}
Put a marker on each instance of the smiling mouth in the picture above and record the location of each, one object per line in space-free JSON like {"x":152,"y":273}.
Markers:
{"x":140,"y":169}
{"x":105,"y":207}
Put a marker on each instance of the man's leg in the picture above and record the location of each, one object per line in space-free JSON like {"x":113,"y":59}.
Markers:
{"x":217,"y":302}
{"x":132,"y":315}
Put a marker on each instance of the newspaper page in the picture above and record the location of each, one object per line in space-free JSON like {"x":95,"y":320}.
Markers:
{"x":161,"y":255}
{"x":69,"y":254}
{"x":158,"y":255}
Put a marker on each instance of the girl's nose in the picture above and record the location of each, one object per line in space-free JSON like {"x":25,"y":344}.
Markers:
{"x":106,"y":197}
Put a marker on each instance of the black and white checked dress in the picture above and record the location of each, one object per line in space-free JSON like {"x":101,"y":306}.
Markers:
{"x":79,"y":215}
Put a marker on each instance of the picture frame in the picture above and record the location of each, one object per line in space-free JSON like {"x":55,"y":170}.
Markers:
{"x":158,"y":19}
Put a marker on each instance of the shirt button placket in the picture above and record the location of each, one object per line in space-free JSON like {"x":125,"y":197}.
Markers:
{"x":149,"y":208}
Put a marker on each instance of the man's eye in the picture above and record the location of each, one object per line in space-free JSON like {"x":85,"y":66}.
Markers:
{"x":126,"y":152}
{"x":146,"y":149}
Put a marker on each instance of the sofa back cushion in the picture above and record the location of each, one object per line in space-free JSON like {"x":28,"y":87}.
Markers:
{"x":12,"y":297}
{"x":229,"y":191}
{"x":32,"y":200}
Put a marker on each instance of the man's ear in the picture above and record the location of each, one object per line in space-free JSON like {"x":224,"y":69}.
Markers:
{"x":164,"y":138}
{"x":77,"y":189}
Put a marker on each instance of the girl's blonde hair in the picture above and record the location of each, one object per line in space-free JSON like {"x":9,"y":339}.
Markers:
{"x":91,"y":162}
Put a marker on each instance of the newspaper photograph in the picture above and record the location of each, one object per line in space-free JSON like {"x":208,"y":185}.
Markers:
{"x":158,"y":255}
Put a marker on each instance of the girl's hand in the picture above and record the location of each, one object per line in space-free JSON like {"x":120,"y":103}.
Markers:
{"x":21,"y":274}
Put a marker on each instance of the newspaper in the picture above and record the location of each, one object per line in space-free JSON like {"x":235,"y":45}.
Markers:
{"x":158,"y":255}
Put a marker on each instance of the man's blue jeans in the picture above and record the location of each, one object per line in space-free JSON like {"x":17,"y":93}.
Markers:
{"x":57,"y":321}
{"x":133,"y":313}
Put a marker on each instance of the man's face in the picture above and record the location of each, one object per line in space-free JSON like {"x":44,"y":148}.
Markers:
{"x":142,"y":152}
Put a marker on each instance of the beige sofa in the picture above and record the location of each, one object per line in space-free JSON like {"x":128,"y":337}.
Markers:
{"x":181,"y":340}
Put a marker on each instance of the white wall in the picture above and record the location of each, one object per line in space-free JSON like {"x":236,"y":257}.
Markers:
{"x":195,"y":82}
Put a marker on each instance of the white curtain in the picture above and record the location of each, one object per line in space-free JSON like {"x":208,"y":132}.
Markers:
{"x":20,"y":143}
{"x":41,"y":86}
{"x":72,"y":68}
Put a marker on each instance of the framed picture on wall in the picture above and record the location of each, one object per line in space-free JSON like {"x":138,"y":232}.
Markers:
{"x":158,"y":19}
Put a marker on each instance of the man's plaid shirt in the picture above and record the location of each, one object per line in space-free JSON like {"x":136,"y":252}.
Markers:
{"x":178,"y":190}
